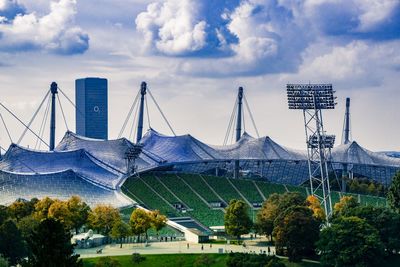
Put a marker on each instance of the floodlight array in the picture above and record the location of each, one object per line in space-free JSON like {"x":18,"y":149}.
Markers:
{"x":310,"y":96}
{"x":327,"y":141}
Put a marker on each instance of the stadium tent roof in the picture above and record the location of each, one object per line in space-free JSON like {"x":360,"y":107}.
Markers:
{"x":353,"y":153}
{"x":183,"y":148}
{"x":263,"y":148}
{"x":25,"y":161}
{"x":61,"y":185}
{"x":110,"y":152}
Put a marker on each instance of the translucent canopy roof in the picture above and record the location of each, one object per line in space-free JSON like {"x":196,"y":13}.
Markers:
{"x":353,"y":153}
{"x":263,"y":148}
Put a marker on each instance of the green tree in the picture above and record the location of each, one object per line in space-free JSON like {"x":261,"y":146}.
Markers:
{"x":27,"y":225}
{"x":158,"y":221}
{"x":3,"y":262}
{"x":21,"y":208}
{"x":290,"y":199}
{"x":237,"y":220}
{"x":79,"y":211}
{"x":42,"y":208}
{"x":267,"y":214}
{"x":102,"y":218}
{"x":51,"y":246}
{"x":4,"y":214}
{"x":120,"y":230}
{"x":297,"y":230}
{"x":345,"y":204}
{"x":140,"y":222}
{"x":59,"y":210}
{"x":12,"y":245}
{"x":107,"y":262}
{"x":350,"y":241}
{"x":393,"y":194}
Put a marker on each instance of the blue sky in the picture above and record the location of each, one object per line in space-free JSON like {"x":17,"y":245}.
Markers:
{"x":195,"y":54}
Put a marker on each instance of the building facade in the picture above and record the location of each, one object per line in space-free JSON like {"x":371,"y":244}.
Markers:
{"x":91,"y":98}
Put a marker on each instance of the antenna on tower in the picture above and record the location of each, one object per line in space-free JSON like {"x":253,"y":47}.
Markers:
{"x":143,"y":91}
{"x":346,"y":124}
{"x":54,"y":92}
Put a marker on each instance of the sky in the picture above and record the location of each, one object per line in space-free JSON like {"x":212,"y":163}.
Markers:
{"x":194,"y":54}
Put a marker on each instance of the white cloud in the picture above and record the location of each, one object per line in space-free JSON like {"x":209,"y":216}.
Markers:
{"x":54,"y":32}
{"x":174,"y":27}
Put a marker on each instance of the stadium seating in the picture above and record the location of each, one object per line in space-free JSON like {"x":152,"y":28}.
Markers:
{"x":248,"y":190}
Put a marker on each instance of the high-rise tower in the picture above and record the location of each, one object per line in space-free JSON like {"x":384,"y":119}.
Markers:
{"x":91,"y":98}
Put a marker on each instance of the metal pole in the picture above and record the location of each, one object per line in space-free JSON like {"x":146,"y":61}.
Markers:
{"x":53,"y":90}
{"x":238,"y":126}
{"x":143,"y":89}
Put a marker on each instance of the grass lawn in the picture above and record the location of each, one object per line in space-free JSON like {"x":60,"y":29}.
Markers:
{"x":173,"y":260}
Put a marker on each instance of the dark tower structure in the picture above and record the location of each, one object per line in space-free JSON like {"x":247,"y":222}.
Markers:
{"x":143,"y":90}
{"x":346,"y":126}
{"x":238,"y":126}
{"x":54,"y":91}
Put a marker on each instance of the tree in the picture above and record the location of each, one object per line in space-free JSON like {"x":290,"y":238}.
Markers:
{"x":297,"y":230}
{"x":4,"y":214}
{"x":42,"y":208}
{"x":3,"y":262}
{"x":79,"y":212}
{"x":102,"y":218}
{"x":21,"y":208}
{"x":393,"y":195}
{"x":350,"y":241}
{"x":140,"y":222}
{"x":345,"y":204}
{"x":158,"y":221}
{"x":120,"y":230}
{"x":315,"y":205}
{"x":290,"y":199}
{"x":267,"y":214}
{"x":50,"y":245}
{"x":59,"y":210}
{"x":237,"y":220}
{"x":12,"y":245}
{"x":27,"y":225}
{"x":382,"y":219}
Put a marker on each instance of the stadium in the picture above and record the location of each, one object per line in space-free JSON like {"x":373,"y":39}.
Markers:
{"x":186,"y":179}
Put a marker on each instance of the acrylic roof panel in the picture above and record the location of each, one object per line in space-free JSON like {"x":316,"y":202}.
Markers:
{"x":263,"y":148}
{"x":182,"y":148}
{"x":110,"y":152}
{"x":22,"y":160}
{"x":61,"y":185}
{"x":353,"y":153}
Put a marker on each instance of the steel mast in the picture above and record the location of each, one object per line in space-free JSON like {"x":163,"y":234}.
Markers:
{"x":54,"y":91}
{"x":143,"y":90}
{"x":238,"y":126}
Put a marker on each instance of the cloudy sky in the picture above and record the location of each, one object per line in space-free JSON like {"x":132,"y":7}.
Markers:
{"x":194,"y":54}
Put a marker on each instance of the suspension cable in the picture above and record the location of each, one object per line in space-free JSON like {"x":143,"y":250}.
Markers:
{"x":133,"y":128}
{"x":27,"y":127}
{"x":5,"y":126}
{"x":129,"y":115}
{"x":228,"y":130}
{"x":159,"y":109}
{"x":147,"y":111}
{"x":43,"y":124}
{"x":251,"y":116}
{"x":62,"y":112}
{"x":72,"y":103}
{"x":46,"y":115}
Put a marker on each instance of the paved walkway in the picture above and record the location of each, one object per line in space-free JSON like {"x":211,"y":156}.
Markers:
{"x":175,"y":247}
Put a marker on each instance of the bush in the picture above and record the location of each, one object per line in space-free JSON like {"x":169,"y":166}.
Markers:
{"x":275,"y":262}
{"x":107,"y":262}
{"x":248,"y":260}
{"x":3,"y":262}
{"x":137,"y":258}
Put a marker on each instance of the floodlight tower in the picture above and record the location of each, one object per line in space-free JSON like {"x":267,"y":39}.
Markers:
{"x":312,"y":99}
{"x":238,"y":126}
{"x":131,"y":155}
{"x":54,"y":91}
{"x":143,"y":90}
